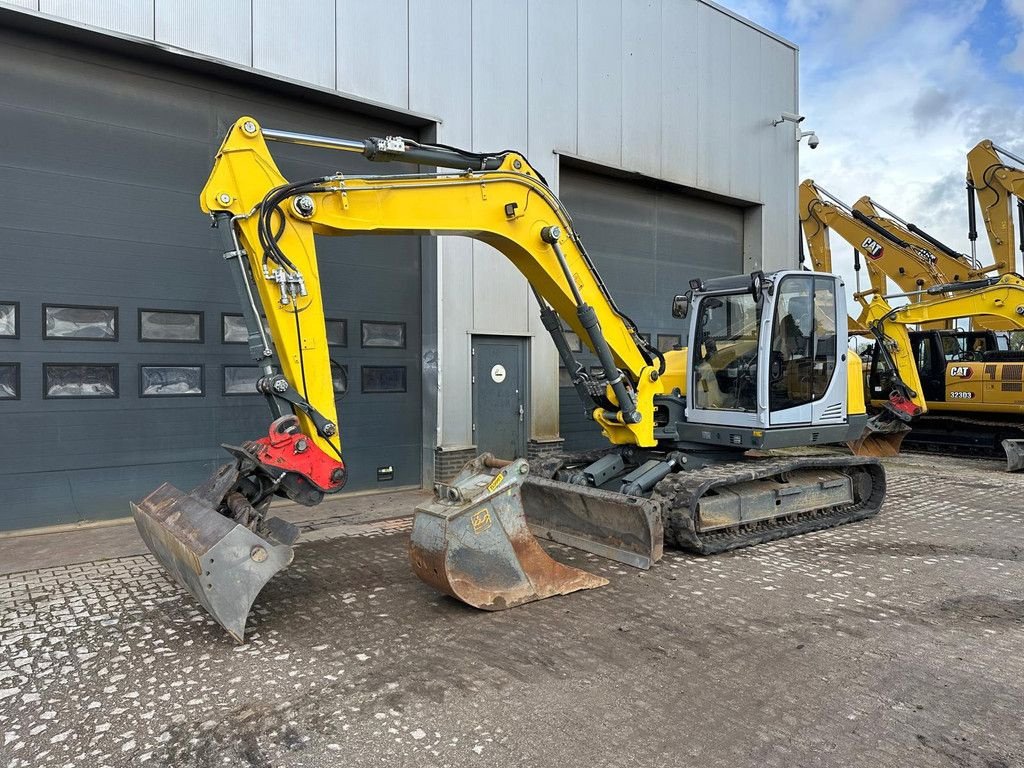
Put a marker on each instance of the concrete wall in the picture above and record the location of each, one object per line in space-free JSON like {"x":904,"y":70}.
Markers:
{"x":679,"y":90}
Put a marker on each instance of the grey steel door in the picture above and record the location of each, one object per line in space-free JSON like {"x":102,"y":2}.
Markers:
{"x":499,"y":395}
{"x":647,"y":242}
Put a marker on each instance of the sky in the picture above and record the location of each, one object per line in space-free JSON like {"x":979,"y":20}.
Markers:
{"x":898,"y":91}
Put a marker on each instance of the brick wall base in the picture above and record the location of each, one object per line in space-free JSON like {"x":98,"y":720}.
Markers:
{"x":539,"y":449}
{"x":448,"y":461}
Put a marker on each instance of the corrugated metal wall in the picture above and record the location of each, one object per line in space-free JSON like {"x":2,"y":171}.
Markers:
{"x":679,"y":90}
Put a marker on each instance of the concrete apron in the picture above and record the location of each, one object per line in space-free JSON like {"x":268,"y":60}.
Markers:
{"x":63,"y":545}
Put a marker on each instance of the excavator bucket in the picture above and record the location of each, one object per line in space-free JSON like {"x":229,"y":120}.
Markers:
{"x":1014,"y":455}
{"x":473,"y":543}
{"x":627,"y":529}
{"x":880,"y":438}
{"x":219,"y":561}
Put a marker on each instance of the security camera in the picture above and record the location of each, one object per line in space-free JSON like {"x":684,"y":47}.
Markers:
{"x":813,"y":141}
{"x":788,"y":117}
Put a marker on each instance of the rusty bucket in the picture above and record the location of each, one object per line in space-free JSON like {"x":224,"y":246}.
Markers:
{"x":220,"y":562}
{"x":473,"y":543}
{"x":880,"y":438}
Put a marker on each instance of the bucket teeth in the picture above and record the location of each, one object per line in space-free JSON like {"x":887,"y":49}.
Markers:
{"x":473,"y":543}
{"x":221,"y":563}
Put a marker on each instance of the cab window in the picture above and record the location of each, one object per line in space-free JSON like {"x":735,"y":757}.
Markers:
{"x":725,"y":358}
{"x":803,"y":356}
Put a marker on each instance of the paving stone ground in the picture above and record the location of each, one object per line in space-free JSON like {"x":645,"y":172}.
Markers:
{"x":898,"y":641}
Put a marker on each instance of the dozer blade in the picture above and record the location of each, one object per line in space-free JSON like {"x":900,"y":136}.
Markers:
{"x":472,"y":542}
{"x":880,"y":439}
{"x":627,"y":529}
{"x":1014,"y":455}
{"x":221,"y":563}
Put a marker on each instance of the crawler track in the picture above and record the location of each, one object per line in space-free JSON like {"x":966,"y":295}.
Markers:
{"x":680,"y":494}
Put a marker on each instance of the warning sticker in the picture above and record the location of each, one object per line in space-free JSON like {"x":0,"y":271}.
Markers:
{"x":493,"y":485}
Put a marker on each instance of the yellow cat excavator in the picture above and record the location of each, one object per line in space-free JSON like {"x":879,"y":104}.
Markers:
{"x":767,"y":366}
{"x":961,"y":386}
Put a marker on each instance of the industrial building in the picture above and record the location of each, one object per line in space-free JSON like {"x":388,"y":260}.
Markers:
{"x":120,"y":365}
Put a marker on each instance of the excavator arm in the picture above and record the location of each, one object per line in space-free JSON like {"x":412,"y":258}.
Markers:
{"x":473,"y":542}
{"x":951,"y":264}
{"x":996,"y":184}
{"x":502,"y":202}
{"x":884,"y":253}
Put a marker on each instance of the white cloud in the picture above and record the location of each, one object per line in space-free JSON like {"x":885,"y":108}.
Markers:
{"x":1014,"y":61}
{"x":898,"y":96}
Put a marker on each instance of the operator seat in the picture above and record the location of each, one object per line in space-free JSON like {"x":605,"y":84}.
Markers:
{"x":710,"y":395}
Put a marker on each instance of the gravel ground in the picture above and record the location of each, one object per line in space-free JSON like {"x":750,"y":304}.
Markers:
{"x":897,"y":641}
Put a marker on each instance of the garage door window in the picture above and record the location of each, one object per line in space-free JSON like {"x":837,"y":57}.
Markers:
{"x":10,"y":384}
{"x":170,"y":325}
{"x":383,"y":378}
{"x":337,"y":333}
{"x":170,"y":380}
{"x":79,"y":380}
{"x":241,"y":379}
{"x":78,"y":322}
{"x":9,"y":320}
{"x":383,"y":335}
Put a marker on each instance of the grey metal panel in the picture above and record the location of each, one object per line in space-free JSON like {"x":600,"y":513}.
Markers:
{"x":679,"y":113}
{"x":276,"y":27}
{"x":96,"y":127}
{"x":779,"y":153}
{"x":222,"y":29}
{"x":499,"y":122}
{"x":714,"y":77}
{"x":599,"y":37}
{"x":440,"y":83}
{"x":31,"y":4}
{"x":647,"y":242}
{"x":552,"y":55}
{"x":642,"y":79}
{"x":373,"y":49}
{"x":132,"y":17}
{"x":748,"y":124}
{"x":441,"y":80}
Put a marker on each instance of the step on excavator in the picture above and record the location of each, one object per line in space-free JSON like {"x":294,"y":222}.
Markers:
{"x":691,"y":432}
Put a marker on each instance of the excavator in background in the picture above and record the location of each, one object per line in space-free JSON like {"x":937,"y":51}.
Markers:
{"x":995,"y":185}
{"x":885,"y":254}
{"x":956,"y":267}
{"x":964,"y":385}
{"x":767,"y":366}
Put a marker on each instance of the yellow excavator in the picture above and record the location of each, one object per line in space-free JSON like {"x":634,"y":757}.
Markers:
{"x":690,"y":431}
{"x":967,"y":382}
{"x":960,"y":386}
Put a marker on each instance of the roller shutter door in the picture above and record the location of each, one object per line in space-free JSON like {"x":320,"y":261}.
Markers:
{"x":102,"y":158}
{"x":647,"y":243}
